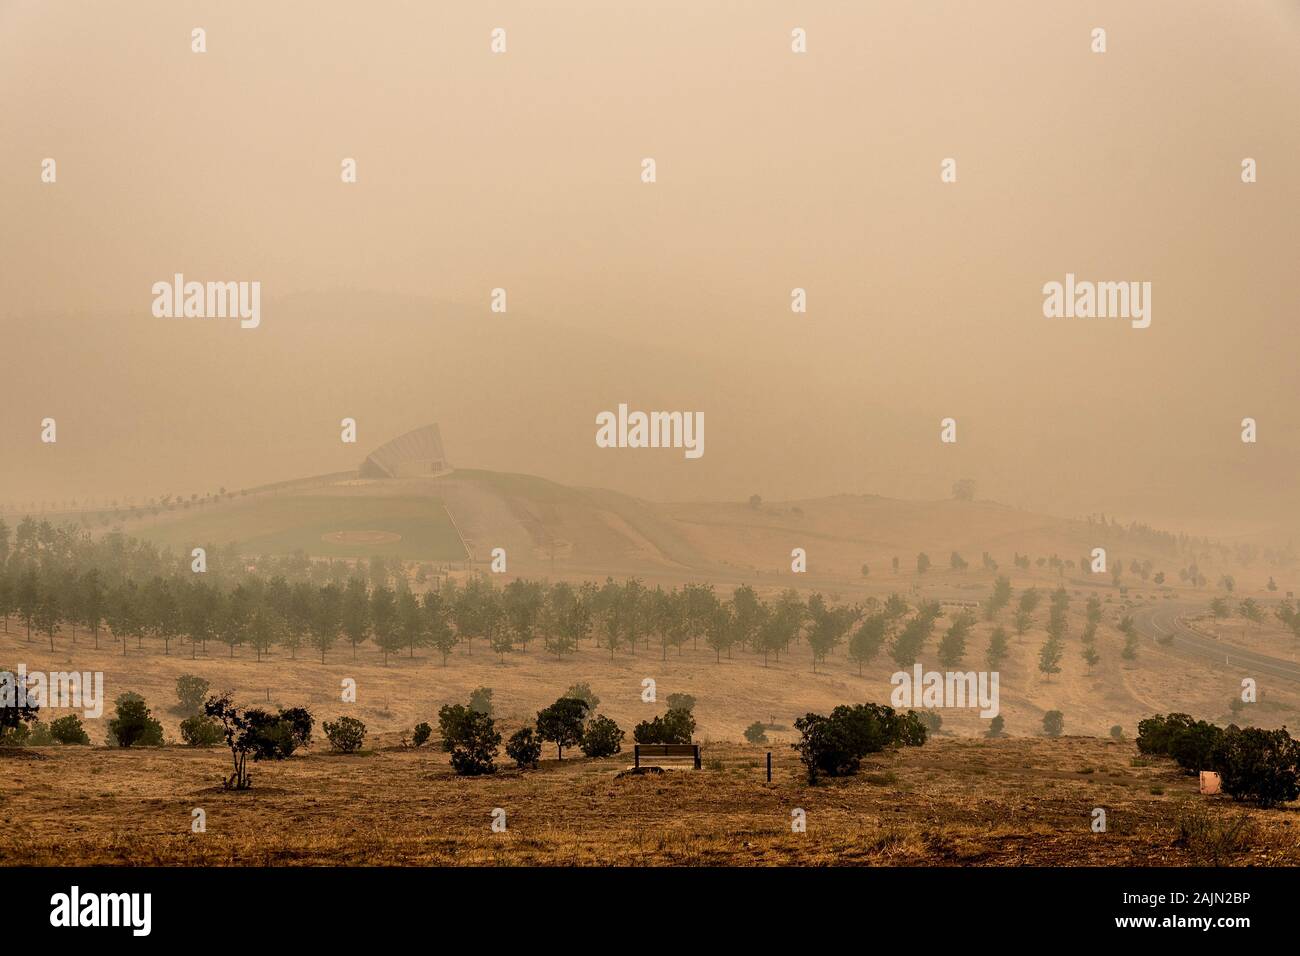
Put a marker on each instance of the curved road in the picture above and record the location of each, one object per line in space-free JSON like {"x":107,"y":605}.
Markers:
{"x":1162,"y":619}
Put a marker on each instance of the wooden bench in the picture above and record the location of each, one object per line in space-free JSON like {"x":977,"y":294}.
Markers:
{"x":666,"y":750}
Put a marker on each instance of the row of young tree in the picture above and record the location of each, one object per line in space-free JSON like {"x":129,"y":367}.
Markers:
{"x":262,"y":615}
{"x":268,"y":615}
{"x":265,"y":616}
{"x":906,"y":647}
{"x":1254,"y":613}
{"x":60,"y":582}
{"x":1142,"y":569}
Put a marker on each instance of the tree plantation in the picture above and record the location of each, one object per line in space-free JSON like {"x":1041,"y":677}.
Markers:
{"x":61,"y":583}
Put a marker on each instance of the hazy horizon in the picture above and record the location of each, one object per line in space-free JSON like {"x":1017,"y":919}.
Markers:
{"x":775,"y":171}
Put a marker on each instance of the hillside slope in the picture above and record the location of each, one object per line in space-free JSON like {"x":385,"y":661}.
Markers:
{"x":558,"y":530}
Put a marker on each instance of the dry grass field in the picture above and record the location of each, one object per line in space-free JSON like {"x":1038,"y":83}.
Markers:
{"x":952,"y":802}
{"x":961,"y":799}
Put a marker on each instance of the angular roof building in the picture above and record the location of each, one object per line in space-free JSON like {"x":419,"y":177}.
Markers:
{"x":416,"y":453}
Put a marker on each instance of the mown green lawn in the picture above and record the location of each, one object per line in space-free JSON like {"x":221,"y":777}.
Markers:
{"x":283,"y":524}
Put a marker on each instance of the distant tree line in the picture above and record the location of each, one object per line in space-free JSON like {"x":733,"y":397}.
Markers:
{"x":63,"y":582}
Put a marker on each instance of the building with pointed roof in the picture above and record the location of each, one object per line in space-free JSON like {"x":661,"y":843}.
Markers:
{"x":417,"y":453}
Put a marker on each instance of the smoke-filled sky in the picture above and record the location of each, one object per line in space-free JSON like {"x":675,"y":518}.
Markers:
{"x":775,"y":170}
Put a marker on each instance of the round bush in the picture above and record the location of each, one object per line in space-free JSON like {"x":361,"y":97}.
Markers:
{"x":681,"y":702}
{"x":525,"y":748}
{"x":471,"y":738}
{"x":134,"y":724}
{"x":602,"y":738}
{"x":345,"y":734}
{"x":201,"y":731}
{"x":834,"y":746}
{"x":932,"y":720}
{"x":40,"y":735}
{"x":674,"y":727}
{"x":69,"y":730}
{"x":1259,"y":766}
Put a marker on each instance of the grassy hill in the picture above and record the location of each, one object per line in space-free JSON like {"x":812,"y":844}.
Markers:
{"x":327,"y":526}
{"x":561,"y":531}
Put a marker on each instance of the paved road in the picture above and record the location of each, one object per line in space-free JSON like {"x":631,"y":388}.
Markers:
{"x":1162,"y":619}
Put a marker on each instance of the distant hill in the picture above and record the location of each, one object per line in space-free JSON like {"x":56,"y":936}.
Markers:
{"x":549,"y":528}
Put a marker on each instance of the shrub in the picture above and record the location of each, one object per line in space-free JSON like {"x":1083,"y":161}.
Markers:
{"x":825,"y":747}
{"x":562,"y":723}
{"x":684,"y":702}
{"x":904,"y":730}
{"x":582,"y":691}
{"x":201,"y":731}
{"x":15,"y":736}
{"x":263,"y":735}
{"x":835,"y":745}
{"x":15,"y":717}
{"x":346,"y":735}
{"x":1156,"y":734}
{"x":1194,"y":747}
{"x":1190,"y":742}
{"x":995,"y":726}
{"x":470,"y":737}
{"x":674,"y":727}
{"x":134,"y":724}
{"x":1117,"y":732}
{"x":453,"y":721}
{"x":69,"y":730}
{"x":276,"y":736}
{"x":524,"y":747}
{"x":421,"y":734}
{"x":1053,"y":723}
{"x":39,"y":735}
{"x":602,"y":738}
{"x":480,"y":701}
{"x":755,"y":733}
{"x":1260,"y":766}
{"x":931,"y":719}
{"x":191,"y":692}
